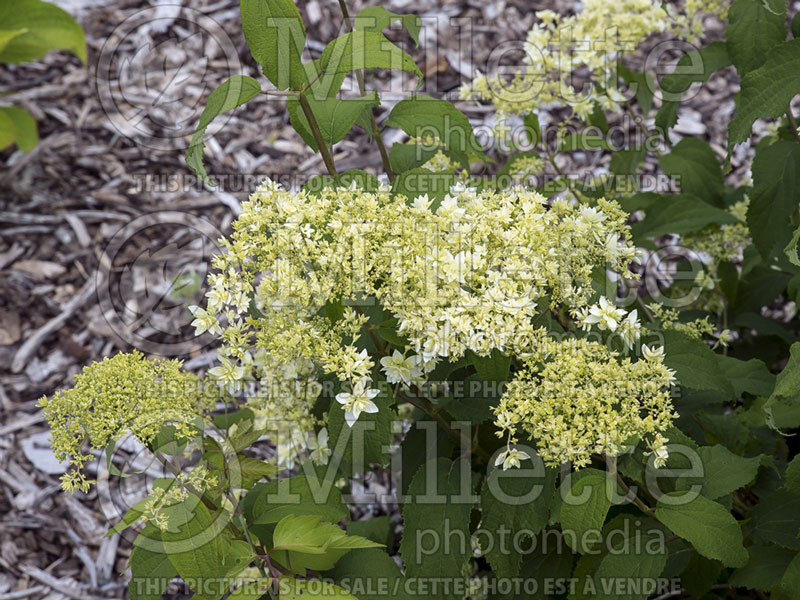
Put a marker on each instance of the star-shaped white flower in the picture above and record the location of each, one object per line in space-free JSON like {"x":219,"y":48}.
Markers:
{"x":511,"y":458}
{"x":400,"y":369}
{"x":652,"y":353}
{"x":357,"y":401}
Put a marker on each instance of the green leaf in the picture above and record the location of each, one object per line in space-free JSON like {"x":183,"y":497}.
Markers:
{"x":750,"y":376}
{"x":494,"y":367}
{"x":517,"y":500}
{"x":275,"y":34}
{"x":200,"y":546}
{"x":705,"y":524}
{"x":644,"y":84}
{"x":132,"y":515}
{"x":378,"y":530}
{"x":335,"y":117}
{"x":793,"y":476}
{"x":268,"y":503}
{"x":754,"y":28}
{"x":377,"y":18}
{"x":630,"y":557}
{"x":151,"y":569}
{"x":584,"y":505}
{"x":791,"y":247}
{"x":693,"y":163}
{"x":436,"y":509}
{"x":765,"y":568}
{"x":32,"y":28}
{"x":766,"y":91}
{"x":723,"y":472}
{"x":307,"y":534}
{"x":370,"y":574}
{"x":404,"y":157}
{"x":6,"y":35}
{"x":232,"y":93}
{"x":791,"y":578}
{"x":678,"y":213}
{"x":17,"y":125}
{"x":696,"y":366}
{"x":776,"y":520}
{"x":695,"y":66}
{"x":775,"y":195}
{"x":301,"y":589}
{"x":533,"y":130}
{"x":421,"y":116}
{"x":359,"y":50}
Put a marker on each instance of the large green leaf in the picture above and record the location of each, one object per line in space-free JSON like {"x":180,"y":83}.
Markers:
{"x":635,"y":554}
{"x":232,"y":93}
{"x":793,"y":476}
{"x":776,"y":520}
{"x":377,"y":18}
{"x":151,"y":569}
{"x":494,"y":367}
{"x":695,"y":364}
{"x":422,"y":116}
{"x":31,"y":28}
{"x":437,"y":512}
{"x":754,"y":28}
{"x":678,"y":213}
{"x":723,"y":472}
{"x":694,"y":165}
{"x":766,"y":91}
{"x":335,"y":117}
{"x":585,"y":500}
{"x":775,"y":195}
{"x":705,"y":524}
{"x":765,"y":568}
{"x":514,"y":501}
{"x":750,"y":376}
{"x":693,"y":67}
{"x":366,"y":50}
{"x":370,"y":574}
{"x":276,"y":37}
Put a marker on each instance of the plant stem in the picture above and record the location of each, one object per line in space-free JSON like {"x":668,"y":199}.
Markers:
{"x":634,"y":498}
{"x":373,"y":123}
{"x":317,"y":133}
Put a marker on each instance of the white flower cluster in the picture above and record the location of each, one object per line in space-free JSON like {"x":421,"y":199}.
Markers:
{"x":608,"y":317}
{"x":466,"y":275}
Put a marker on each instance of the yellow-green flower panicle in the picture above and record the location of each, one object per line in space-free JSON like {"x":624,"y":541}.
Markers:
{"x":577,"y":398}
{"x":126,"y":393}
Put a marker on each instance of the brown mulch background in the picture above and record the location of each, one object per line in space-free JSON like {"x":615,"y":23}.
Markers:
{"x":105,"y":235}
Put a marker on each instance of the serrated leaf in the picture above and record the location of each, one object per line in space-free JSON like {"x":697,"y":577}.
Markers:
{"x":359,"y":50}
{"x":307,"y":534}
{"x":34,"y":28}
{"x":750,"y":376}
{"x":693,"y":163}
{"x":151,"y":569}
{"x":723,"y":472}
{"x":517,"y":501}
{"x":422,"y":116}
{"x":679,"y":214}
{"x":377,"y":18}
{"x":335,"y":117}
{"x":764,"y":569}
{"x":276,"y":36}
{"x":404,"y":157}
{"x":754,"y":28}
{"x":776,"y":520}
{"x":494,"y":367}
{"x":371,"y":574}
{"x":695,"y":364}
{"x":705,"y":524}
{"x":436,"y":510}
{"x":766,"y":91}
{"x":230,"y":94}
{"x":695,"y":66}
{"x":268,"y":503}
{"x":775,"y":195}
{"x":584,"y":505}
{"x":793,"y":476}
{"x":630,"y":558}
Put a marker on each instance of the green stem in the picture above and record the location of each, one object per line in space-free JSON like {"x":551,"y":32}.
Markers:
{"x":373,"y":123}
{"x":317,"y":133}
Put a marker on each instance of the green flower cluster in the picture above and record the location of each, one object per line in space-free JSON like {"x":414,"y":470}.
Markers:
{"x":126,"y":393}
